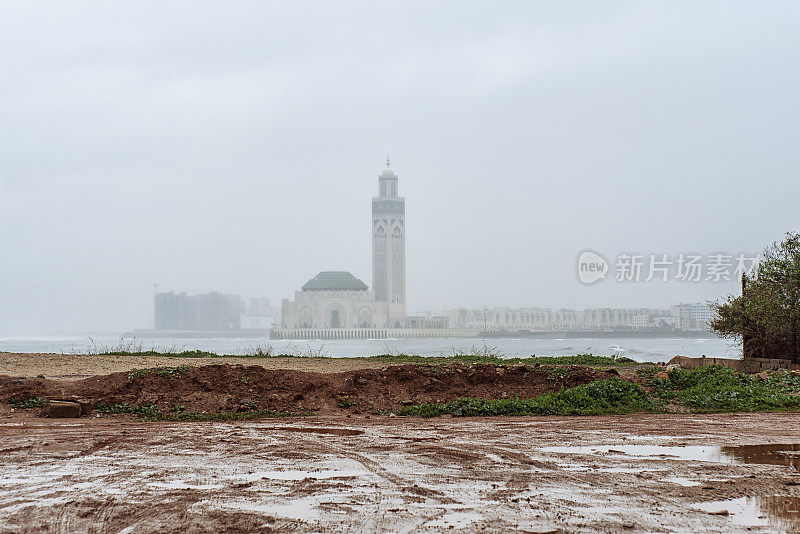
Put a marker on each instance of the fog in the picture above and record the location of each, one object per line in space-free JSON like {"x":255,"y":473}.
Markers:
{"x":235,"y":147}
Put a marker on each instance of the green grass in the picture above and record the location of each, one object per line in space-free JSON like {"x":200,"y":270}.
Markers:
{"x":612,"y":396}
{"x":482,"y":355}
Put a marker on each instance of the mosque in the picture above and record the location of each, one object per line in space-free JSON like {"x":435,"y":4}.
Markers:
{"x":337,"y":299}
{"x":337,"y":305}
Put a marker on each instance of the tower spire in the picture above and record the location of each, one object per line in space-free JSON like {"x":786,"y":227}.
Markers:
{"x":387,"y":160}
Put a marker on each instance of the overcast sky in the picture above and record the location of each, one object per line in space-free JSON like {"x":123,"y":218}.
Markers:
{"x":235,"y":146}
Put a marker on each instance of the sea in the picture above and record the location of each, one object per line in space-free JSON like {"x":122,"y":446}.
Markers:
{"x":639,"y":349}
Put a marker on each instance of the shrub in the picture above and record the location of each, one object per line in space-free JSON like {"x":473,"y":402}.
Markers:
{"x":719,"y":389}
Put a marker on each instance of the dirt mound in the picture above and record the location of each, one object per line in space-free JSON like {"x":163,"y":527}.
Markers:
{"x":224,"y":388}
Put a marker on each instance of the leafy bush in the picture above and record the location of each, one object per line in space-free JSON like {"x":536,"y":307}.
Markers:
{"x":718,"y":389}
{"x":612,"y":396}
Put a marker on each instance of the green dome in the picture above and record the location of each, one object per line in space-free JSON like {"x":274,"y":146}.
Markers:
{"x":334,"y":281}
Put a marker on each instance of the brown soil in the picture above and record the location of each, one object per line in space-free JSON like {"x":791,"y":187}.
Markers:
{"x":78,"y":366}
{"x":225,"y":387}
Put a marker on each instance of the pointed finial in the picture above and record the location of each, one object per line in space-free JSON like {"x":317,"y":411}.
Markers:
{"x":387,"y":160}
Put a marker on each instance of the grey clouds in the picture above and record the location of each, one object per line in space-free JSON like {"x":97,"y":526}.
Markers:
{"x":235,"y":146}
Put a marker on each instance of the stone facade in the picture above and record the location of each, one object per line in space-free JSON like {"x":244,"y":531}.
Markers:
{"x":334,"y":309}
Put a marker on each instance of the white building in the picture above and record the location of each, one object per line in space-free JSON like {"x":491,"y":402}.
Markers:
{"x":337,"y":299}
{"x":695,"y":316}
{"x":334,"y":299}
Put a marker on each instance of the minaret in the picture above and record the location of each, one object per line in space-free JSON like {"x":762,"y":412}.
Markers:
{"x":389,"y":247}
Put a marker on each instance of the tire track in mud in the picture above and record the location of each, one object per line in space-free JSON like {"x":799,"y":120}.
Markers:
{"x":97,"y":446}
{"x":374,"y":467}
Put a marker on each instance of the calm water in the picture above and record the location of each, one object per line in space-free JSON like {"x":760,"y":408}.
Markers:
{"x":640,"y":349}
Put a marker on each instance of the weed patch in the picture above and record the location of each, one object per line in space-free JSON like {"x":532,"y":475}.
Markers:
{"x":168,"y":372}
{"x":152,"y":413}
{"x":33,"y":402}
{"x":718,"y":389}
{"x":612,"y":396}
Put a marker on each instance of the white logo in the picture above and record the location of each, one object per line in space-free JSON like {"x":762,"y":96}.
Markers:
{"x":592,"y":267}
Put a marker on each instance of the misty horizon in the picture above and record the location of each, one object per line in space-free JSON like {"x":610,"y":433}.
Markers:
{"x":235,"y":148}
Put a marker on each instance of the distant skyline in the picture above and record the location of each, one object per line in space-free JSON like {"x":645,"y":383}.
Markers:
{"x":235,"y":147}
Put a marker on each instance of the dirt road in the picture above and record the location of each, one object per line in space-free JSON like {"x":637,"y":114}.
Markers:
{"x":653,"y":473}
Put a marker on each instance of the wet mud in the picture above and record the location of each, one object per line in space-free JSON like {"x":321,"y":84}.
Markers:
{"x":635,"y":473}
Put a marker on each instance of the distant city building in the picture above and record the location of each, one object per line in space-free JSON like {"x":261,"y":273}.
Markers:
{"x":501,"y":319}
{"x":209,"y":312}
{"x":694,"y":316}
{"x":259,"y":314}
{"x":512,"y":319}
{"x":427,"y":320}
{"x":175,"y":311}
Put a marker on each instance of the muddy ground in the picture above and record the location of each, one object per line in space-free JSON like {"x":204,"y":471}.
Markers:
{"x":346,"y":468}
{"x":238,"y":388}
{"x":375,"y":473}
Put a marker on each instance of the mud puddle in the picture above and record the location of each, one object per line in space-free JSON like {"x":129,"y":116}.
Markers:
{"x":786,"y":454}
{"x":779,"y":513}
{"x":672,"y":452}
{"x":770,"y":454}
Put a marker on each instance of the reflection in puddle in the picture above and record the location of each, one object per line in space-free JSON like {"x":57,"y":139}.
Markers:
{"x":688,"y":452}
{"x":682,"y":481}
{"x":784,"y":454}
{"x":765,"y":454}
{"x":781,"y":514}
{"x":303,"y":509}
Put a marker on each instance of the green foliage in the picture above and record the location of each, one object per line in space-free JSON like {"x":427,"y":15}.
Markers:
{"x":783,"y":381}
{"x":138,"y":373}
{"x":766,"y":316}
{"x":172,"y":372}
{"x":33,"y":402}
{"x":181,"y":354}
{"x":558,"y":373}
{"x":612,"y":396}
{"x":719,"y":389}
{"x":345,"y":403}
